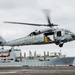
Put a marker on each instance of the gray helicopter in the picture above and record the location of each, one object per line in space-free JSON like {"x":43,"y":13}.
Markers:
{"x":39,"y":37}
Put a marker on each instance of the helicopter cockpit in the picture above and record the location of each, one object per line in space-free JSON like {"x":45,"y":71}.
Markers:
{"x":67,"y":32}
{"x":62,"y":32}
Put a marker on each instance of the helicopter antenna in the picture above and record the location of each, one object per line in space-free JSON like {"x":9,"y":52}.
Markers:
{"x":46,"y":11}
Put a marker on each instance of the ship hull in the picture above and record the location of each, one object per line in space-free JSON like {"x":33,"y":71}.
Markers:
{"x":52,"y":62}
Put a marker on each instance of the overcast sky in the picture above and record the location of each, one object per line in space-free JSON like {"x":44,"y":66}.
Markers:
{"x":62,"y":12}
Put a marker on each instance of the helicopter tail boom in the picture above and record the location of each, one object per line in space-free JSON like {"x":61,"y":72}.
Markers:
{"x":2,"y":41}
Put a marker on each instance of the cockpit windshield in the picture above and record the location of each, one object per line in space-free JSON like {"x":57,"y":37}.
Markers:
{"x":68,"y":32}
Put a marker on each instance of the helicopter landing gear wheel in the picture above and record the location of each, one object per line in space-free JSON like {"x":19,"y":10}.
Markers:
{"x":61,"y":44}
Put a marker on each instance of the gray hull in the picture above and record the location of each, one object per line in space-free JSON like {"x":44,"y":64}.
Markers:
{"x":54,"y":61}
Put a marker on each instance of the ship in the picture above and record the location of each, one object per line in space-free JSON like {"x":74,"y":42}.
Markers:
{"x":14,"y":57}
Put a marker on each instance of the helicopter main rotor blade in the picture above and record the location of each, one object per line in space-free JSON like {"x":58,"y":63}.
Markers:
{"x":51,"y":25}
{"x":46,"y":11}
{"x":26,"y":23}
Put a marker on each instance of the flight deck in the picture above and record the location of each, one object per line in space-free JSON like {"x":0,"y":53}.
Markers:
{"x":39,"y":70}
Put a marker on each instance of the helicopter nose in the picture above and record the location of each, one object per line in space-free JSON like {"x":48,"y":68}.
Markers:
{"x":73,"y":36}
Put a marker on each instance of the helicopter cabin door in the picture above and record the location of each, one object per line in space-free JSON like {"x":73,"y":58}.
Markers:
{"x":59,"y":34}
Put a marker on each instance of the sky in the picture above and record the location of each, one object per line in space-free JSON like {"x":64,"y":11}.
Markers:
{"x":62,"y":12}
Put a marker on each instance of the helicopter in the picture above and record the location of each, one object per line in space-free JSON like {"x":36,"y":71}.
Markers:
{"x":50,"y":35}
